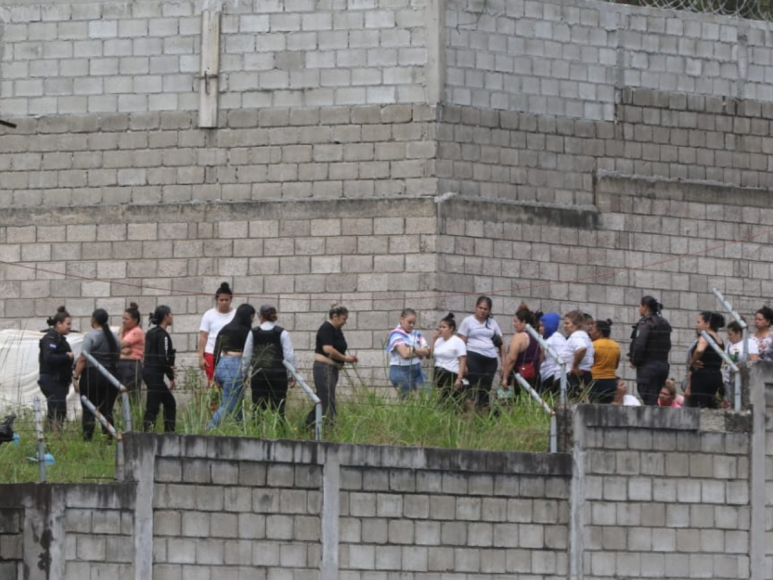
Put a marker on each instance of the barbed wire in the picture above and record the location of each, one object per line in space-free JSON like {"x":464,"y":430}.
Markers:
{"x":751,"y":9}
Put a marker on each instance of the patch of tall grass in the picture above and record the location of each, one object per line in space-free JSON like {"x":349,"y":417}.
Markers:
{"x":365,"y":416}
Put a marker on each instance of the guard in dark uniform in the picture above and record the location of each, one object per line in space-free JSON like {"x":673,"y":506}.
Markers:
{"x":55,"y":360}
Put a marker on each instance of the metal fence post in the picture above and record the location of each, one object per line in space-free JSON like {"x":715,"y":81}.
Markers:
{"x":127,"y":412}
{"x":552,"y":354}
{"x":41,"y":440}
{"x":312,"y":395}
{"x":545,"y":407}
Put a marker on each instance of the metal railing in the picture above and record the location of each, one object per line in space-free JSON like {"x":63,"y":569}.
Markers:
{"x":127,"y":412}
{"x":545,"y":407}
{"x":733,"y":368}
{"x":552,"y":354}
{"x":119,"y":460}
{"x":312,"y":395}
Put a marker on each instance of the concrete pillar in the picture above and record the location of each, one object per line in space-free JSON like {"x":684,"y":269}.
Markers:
{"x":331,"y":500}
{"x":758,"y":394}
{"x":577,"y":497}
{"x":140,"y":454}
{"x":44,"y":542}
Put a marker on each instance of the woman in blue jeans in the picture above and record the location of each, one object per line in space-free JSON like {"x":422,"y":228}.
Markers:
{"x":229,"y":346}
{"x":406,"y":347}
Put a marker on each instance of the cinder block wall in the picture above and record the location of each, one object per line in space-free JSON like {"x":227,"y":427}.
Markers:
{"x":538,"y":103}
{"x":635,"y":492}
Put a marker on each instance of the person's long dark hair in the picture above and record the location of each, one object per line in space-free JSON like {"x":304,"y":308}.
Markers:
{"x":244,"y":315}
{"x":714,"y":319}
{"x":651,"y":304}
{"x":158,"y":315}
{"x":101,"y":317}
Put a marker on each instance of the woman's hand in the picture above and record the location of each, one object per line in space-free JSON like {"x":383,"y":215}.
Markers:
{"x":75,"y":385}
{"x":459,"y":384}
{"x":351,"y":359}
{"x":172,"y":385}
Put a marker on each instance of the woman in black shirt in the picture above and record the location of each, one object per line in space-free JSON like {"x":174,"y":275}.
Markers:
{"x":705,"y":364}
{"x":229,"y":346}
{"x":159,"y":362}
{"x":329,"y":357}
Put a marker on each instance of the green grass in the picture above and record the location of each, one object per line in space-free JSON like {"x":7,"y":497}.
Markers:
{"x":365,"y":416}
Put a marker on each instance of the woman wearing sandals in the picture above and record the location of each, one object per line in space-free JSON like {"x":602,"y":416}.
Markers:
{"x":485,"y":348}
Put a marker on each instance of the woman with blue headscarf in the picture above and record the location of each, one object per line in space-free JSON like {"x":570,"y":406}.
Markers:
{"x":550,"y":371}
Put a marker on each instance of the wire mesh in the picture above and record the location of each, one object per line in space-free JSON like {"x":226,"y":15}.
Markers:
{"x":752,"y":9}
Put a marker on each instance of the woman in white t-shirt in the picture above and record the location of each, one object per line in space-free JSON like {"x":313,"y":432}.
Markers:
{"x":581,"y":346}
{"x":485,"y":348}
{"x":734,"y":349}
{"x":450,"y":354}
{"x":211,"y":324}
{"x":549,"y":369}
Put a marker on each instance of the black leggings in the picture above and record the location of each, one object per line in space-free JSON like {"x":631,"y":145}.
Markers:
{"x":481,"y":371}
{"x":102,"y":395}
{"x":55,"y":390}
{"x":158,"y":394}
{"x":445,"y":383}
{"x":269,"y":390}
{"x":325,"y":381}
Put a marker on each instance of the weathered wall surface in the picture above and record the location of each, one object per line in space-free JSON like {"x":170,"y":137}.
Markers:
{"x":636,"y":492}
{"x":303,"y":257}
{"x":569,"y":58}
{"x":105,"y":57}
{"x":333,"y":100}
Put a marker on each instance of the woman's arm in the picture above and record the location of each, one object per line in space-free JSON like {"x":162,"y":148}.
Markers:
{"x":579,"y":354}
{"x":700,"y":348}
{"x":516,"y":347}
{"x":203,"y":337}
{"x":462,"y":369}
{"x":333,"y":354}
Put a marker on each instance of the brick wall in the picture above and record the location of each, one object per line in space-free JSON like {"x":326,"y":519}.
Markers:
{"x":101,"y":57}
{"x":640,"y":493}
{"x":258,"y":154}
{"x":11,"y":542}
{"x":666,"y":494}
{"x":568,"y":58}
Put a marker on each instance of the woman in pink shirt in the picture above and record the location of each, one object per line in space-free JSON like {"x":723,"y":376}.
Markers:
{"x":668,"y":396}
{"x":132,"y":351}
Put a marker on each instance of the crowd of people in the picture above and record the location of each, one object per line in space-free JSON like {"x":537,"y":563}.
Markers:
{"x":472,"y":362}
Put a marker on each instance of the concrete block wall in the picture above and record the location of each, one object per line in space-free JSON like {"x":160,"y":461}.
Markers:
{"x":71,"y":532}
{"x":639,"y":493}
{"x":371,"y":255}
{"x":666,"y":493}
{"x":102,"y":58}
{"x":11,"y":542}
{"x":669,"y":239}
{"x":555,"y":159}
{"x":568,"y":57}
{"x":258,"y":154}
{"x":229,"y":507}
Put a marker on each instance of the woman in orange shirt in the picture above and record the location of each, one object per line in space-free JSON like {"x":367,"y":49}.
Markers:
{"x":132,"y":351}
{"x":605,"y":362}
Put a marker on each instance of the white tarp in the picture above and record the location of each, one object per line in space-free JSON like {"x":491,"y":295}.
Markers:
{"x":19,"y":371}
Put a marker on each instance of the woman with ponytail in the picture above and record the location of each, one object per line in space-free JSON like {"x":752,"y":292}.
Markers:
{"x":212,"y":323}
{"x":55,"y":361}
{"x":705,"y":382}
{"x":650,"y":346}
{"x":132,"y":340}
{"x":103,"y":345}
{"x":159,"y":363}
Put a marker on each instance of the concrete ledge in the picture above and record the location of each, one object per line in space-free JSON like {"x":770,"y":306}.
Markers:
{"x":521,"y":212}
{"x":698,"y":191}
{"x":286,"y":209}
{"x":82,"y":495}
{"x":240,"y":449}
{"x":609,"y":416}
